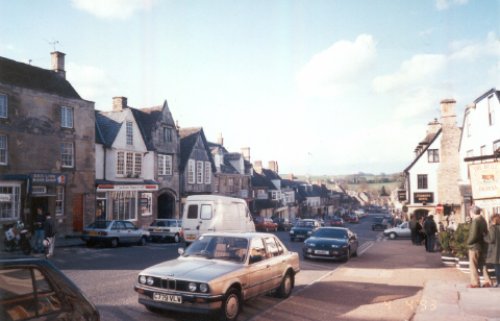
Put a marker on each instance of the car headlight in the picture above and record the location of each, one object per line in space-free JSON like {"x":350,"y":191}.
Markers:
{"x":309,"y":232}
{"x":292,"y":232}
{"x":150,"y":280}
{"x":142,"y":279}
{"x":204,"y":287}
{"x":192,"y":286}
{"x":311,"y":244}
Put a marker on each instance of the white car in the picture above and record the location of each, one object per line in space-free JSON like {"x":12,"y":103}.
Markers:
{"x":401,"y":230}
{"x":113,"y":233}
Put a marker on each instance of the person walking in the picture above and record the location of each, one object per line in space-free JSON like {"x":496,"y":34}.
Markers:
{"x":39,"y":232}
{"x":477,"y":250}
{"x":493,"y":241}
{"x":413,"y":229}
{"x":420,"y":231}
{"x":50,"y":235}
{"x":430,"y":229}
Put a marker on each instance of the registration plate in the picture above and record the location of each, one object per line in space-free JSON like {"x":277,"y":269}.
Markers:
{"x":93,"y":233}
{"x":190,"y":237}
{"x":321,"y":252}
{"x":167,"y":298}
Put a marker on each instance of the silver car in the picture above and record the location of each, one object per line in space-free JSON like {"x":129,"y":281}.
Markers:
{"x":166,"y":229}
{"x":401,"y":230}
{"x":218,"y":272}
{"x":113,"y":233}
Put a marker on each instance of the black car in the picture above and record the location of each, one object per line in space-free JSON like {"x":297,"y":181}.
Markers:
{"x":379,"y":223}
{"x":34,"y":289}
{"x":283,"y":223}
{"x":303,"y":229}
{"x":331,"y":243}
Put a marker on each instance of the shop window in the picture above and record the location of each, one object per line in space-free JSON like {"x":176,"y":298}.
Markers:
{"x":10,"y":201}
{"x":124,"y":205}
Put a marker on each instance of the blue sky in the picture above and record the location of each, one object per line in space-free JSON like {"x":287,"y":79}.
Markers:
{"x":323,"y":87}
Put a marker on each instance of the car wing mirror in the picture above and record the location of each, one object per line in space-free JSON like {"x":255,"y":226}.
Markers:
{"x":255,"y":258}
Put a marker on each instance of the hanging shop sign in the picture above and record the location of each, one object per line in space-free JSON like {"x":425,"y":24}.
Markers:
{"x":423,"y":197}
{"x":485,"y":180}
{"x":401,"y":195}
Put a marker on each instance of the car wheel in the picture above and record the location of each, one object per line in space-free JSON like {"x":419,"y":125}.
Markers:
{"x":114,"y":242}
{"x":286,"y":286}
{"x":393,"y":236}
{"x":142,"y":241}
{"x":231,"y":305}
{"x":177,"y":238}
{"x":90,"y":243}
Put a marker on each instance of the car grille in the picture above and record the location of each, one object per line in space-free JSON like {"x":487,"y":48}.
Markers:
{"x":171,"y":284}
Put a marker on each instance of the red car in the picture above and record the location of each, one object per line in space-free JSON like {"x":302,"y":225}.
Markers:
{"x":336,"y":221}
{"x":264,"y":224}
{"x":352,"y":219}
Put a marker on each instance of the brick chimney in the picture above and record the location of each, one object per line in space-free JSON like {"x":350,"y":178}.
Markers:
{"x":58,"y":63}
{"x":220,"y":140}
{"x":245,"y":151}
{"x":119,"y":103}
{"x":257,"y":166}
{"x":273,"y":165}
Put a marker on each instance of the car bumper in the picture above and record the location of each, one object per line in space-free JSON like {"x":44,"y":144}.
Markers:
{"x":332,"y":254}
{"x":190,"y":302}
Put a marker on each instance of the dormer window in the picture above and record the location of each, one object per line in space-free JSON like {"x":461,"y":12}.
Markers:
{"x":130,"y":133}
{"x":167,"y":135}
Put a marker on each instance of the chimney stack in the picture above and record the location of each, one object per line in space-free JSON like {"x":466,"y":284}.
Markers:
{"x":119,"y":103}
{"x":448,"y":116}
{"x":220,"y":140}
{"x":58,"y":63}
{"x":273,"y":165}
{"x":257,"y":165}
{"x":245,"y":151}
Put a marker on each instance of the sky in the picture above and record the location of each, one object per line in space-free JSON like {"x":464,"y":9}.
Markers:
{"x":322,"y":87}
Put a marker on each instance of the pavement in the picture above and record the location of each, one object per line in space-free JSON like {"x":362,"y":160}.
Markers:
{"x":389,"y":280}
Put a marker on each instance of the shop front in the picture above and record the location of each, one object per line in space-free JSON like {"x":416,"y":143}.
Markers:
{"x":131,"y":202}
{"x":485,"y":183}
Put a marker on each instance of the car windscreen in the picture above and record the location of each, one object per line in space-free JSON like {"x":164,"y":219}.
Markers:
{"x":330,"y":233}
{"x":219,"y":247}
{"x":304,"y":224}
{"x":100,"y":224}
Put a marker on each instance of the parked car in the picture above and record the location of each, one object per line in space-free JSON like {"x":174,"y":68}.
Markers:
{"x":114,"y":232}
{"x":166,"y":229}
{"x":283,"y":224}
{"x":218,"y":272}
{"x":379,"y":223}
{"x":264,"y":224}
{"x":336,"y":221}
{"x":401,"y":230}
{"x":352,"y":218}
{"x":331,"y":243}
{"x":303,"y":229}
{"x":34,"y":289}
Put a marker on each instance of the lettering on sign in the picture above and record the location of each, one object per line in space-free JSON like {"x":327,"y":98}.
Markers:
{"x":423,"y":197}
{"x":485,"y":180}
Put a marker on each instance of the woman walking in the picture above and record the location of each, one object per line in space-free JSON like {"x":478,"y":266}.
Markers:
{"x":493,"y":240}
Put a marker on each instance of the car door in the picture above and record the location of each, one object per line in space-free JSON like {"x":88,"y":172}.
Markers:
{"x":133,"y":233}
{"x":277,"y":262}
{"x":118,"y":230}
{"x":259,"y":269}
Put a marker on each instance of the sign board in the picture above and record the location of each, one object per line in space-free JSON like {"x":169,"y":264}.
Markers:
{"x":485,"y":180}
{"x":145,"y":203}
{"x":426,"y":197}
{"x":48,"y":179}
{"x":5,"y":198}
{"x":118,"y":188}
{"x":401,"y":195}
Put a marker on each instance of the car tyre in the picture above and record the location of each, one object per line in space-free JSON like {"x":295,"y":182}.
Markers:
{"x":286,"y":286}
{"x":231,"y":305}
{"x":143,"y":241}
{"x":90,"y":243}
{"x":348,"y":255}
{"x":113,"y":242}
{"x":393,"y":236}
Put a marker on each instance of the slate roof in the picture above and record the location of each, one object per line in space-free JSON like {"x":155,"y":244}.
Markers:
{"x":436,"y":135}
{"x":27,"y":76}
{"x":106,"y":128}
{"x":188,"y":138}
{"x":147,"y":118}
{"x":270,"y":174}
{"x":259,"y":180}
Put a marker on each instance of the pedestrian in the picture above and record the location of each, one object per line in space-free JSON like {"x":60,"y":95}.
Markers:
{"x":477,"y":250}
{"x":413,"y":229}
{"x":50,"y":235}
{"x":39,"y":232}
{"x":430,"y":229}
{"x":420,"y":231}
{"x":493,"y":241}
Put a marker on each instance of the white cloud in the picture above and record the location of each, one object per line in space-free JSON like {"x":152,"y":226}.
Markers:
{"x":472,"y":51}
{"x":420,"y":69}
{"x":91,"y":83}
{"x":446,"y":4}
{"x":113,"y":9}
{"x":329,"y":72}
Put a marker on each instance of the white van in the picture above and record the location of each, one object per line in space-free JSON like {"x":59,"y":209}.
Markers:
{"x":215,"y":213}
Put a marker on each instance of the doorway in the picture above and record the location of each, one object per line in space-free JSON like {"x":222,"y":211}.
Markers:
{"x":420,"y":213}
{"x":36,"y":202}
{"x":166,"y":206}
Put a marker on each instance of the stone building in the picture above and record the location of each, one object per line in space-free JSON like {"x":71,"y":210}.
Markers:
{"x":431,"y":180}
{"x":47,"y":150}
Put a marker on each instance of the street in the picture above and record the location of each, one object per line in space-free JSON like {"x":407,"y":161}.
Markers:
{"x":107,"y":275}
